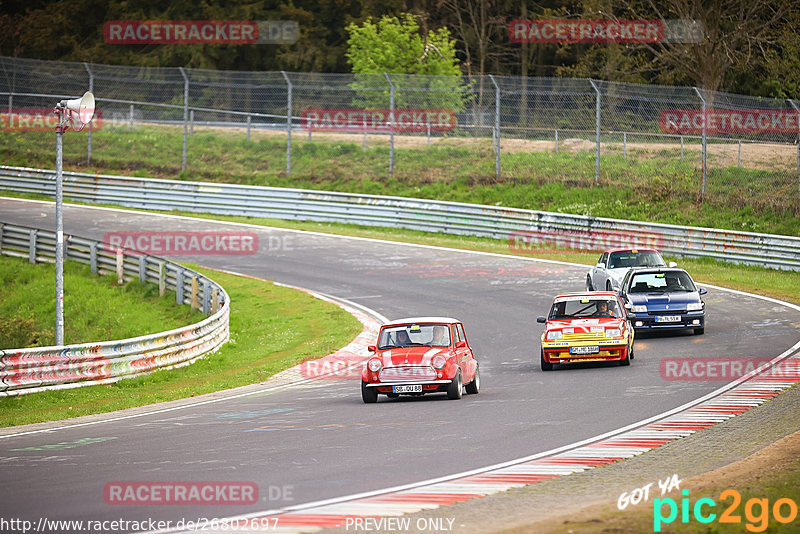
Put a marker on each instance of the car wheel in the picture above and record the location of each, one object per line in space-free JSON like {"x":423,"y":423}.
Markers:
{"x":546,"y":366}
{"x":368,"y":395}
{"x":630,"y":352}
{"x":627,"y":360}
{"x":475,"y":386}
{"x":454,"y":387}
{"x":699,"y":331}
{"x":589,"y":283}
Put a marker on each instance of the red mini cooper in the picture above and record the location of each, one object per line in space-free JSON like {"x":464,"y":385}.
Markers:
{"x":420,"y":355}
{"x":587,"y":327}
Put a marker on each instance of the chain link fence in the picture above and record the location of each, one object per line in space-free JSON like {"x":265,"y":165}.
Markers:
{"x":740,"y":150}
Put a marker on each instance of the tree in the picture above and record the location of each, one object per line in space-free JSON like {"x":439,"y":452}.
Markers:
{"x":432,"y":77}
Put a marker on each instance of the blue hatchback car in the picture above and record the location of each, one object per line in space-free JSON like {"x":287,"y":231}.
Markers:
{"x":663,"y":298}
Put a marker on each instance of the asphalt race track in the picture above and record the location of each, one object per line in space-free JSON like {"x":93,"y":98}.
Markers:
{"x":306,"y":444}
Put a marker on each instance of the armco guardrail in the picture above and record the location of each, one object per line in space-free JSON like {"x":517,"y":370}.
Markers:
{"x":523,"y":228}
{"x":36,"y":369}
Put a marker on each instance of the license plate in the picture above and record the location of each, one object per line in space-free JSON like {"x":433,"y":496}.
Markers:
{"x":668,"y":318}
{"x":584,"y":350}
{"x":416,"y":388}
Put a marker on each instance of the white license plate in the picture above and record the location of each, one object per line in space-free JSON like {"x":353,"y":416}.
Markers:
{"x":668,"y":318}
{"x":416,"y":388}
{"x":594,"y":349}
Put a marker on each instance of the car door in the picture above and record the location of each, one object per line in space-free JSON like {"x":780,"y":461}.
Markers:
{"x":599,"y":275}
{"x":464,"y":354}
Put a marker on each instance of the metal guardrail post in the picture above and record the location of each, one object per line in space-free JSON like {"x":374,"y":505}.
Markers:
{"x":32,"y":246}
{"x":391,"y":124}
{"x":185,"y":118}
{"x":162,"y":278}
{"x":1,"y":238}
{"x":797,"y":109}
{"x":289,"y":90}
{"x":597,"y":132}
{"x":704,"y":153}
{"x":206,"y":299}
{"x":93,"y":257}
{"x":496,"y":127}
{"x":91,"y":90}
{"x":179,"y":289}
{"x":194,"y":300}
{"x":120,"y":259}
{"x":143,"y":269}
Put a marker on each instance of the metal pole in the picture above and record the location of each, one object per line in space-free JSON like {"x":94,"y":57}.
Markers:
{"x":556,"y":141}
{"x":289,"y":124}
{"x":59,"y":234}
{"x":10,"y":109}
{"x":625,"y":145}
{"x":740,"y":154}
{"x":248,"y":128}
{"x":597,"y":133}
{"x":681,"y":149}
{"x":185,"y":117}
{"x":703,"y":153}
{"x":797,"y":109}
{"x":496,"y":127}
{"x":391,"y":124}
{"x":91,"y":90}
{"x":130,"y":119}
{"x":191,"y":123}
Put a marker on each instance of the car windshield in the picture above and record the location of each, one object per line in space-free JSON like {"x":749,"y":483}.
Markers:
{"x":661,"y":282}
{"x":630,"y":258}
{"x":431,"y":335}
{"x":580,"y":308}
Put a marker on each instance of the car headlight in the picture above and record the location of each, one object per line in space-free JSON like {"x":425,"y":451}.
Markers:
{"x":554,"y":334}
{"x":694,"y":306}
{"x":438,"y":361}
{"x":639,"y":309}
{"x":374,"y":365}
{"x":613,"y":332}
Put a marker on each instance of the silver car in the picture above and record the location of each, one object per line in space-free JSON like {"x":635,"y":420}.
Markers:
{"x":613,"y":264}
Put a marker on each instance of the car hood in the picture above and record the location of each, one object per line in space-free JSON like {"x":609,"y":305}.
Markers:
{"x":411,"y":355}
{"x":664,"y":301}
{"x":585,"y":325}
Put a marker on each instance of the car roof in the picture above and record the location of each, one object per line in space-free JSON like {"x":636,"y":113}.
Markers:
{"x":663,"y":269}
{"x":631,"y":249}
{"x":591,"y":295}
{"x":425,"y":320}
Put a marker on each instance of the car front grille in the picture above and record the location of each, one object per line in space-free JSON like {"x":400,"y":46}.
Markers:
{"x":408,"y":373}
{"x":584,"y":336}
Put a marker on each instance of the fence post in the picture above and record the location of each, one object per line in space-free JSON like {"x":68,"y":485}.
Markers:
{"x":32,"y":246}
{"x":703,"y":150}
{"x":130,"y":119}
{"x":1,"y":239}
{"x":191,"y":123}
{"x":624,"y":145}
{"x":288,"y":124}
{"x":248,"y":128}
{"x":143,"y":269}
{"x":120,"y":267}
{"x":10,"y":109}
{"x":93,"y":257}
{"x":185,"y":117}
{"x":391,"y":124}
{"x":195,"y":287}
{"x":681,"y":149}
{"x":797,"y":109}
{"x":496,"y":127}
{"x":597,"y":132}
{"x":206,"y":289}
{"x":91,"y":90}
{"x":214,"y":300}
{"x":162,"y":278}
{"x":179,"y":287}
{"x":556,"y":141}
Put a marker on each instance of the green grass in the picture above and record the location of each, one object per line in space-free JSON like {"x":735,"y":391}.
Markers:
{"x":648,"y":188}
{"x":272,"y":328}
{"x":27,"y":306}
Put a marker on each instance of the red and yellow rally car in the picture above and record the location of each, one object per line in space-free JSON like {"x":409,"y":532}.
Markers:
{"x":420,"y":355}
{"x":586,"y":327}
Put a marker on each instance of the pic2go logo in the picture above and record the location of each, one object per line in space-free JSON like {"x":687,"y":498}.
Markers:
{"x":756,"y":511}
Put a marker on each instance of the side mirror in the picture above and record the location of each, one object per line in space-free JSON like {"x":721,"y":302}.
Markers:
{"x":541,"y":320}
{"x":461,"y":344}
{"x":673,"y":264}
{"x":601,"y":266}
{"x":372,"y":348}
{"x":702,"y":291}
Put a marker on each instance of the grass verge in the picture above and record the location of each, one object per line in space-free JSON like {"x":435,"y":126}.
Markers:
{"x":656,"y":188}
{"x":272,"y":328}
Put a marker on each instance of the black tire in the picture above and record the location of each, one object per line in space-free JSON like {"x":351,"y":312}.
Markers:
{"x":546,"y":366}
{"x":699,"y":331}
{"x":475,"y":386}
{"x":632,"y":355}
{"x":626,"y":361}
{"x":368,"y":395}
{"x":454,"y":388}
{"x":589,"y":283}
